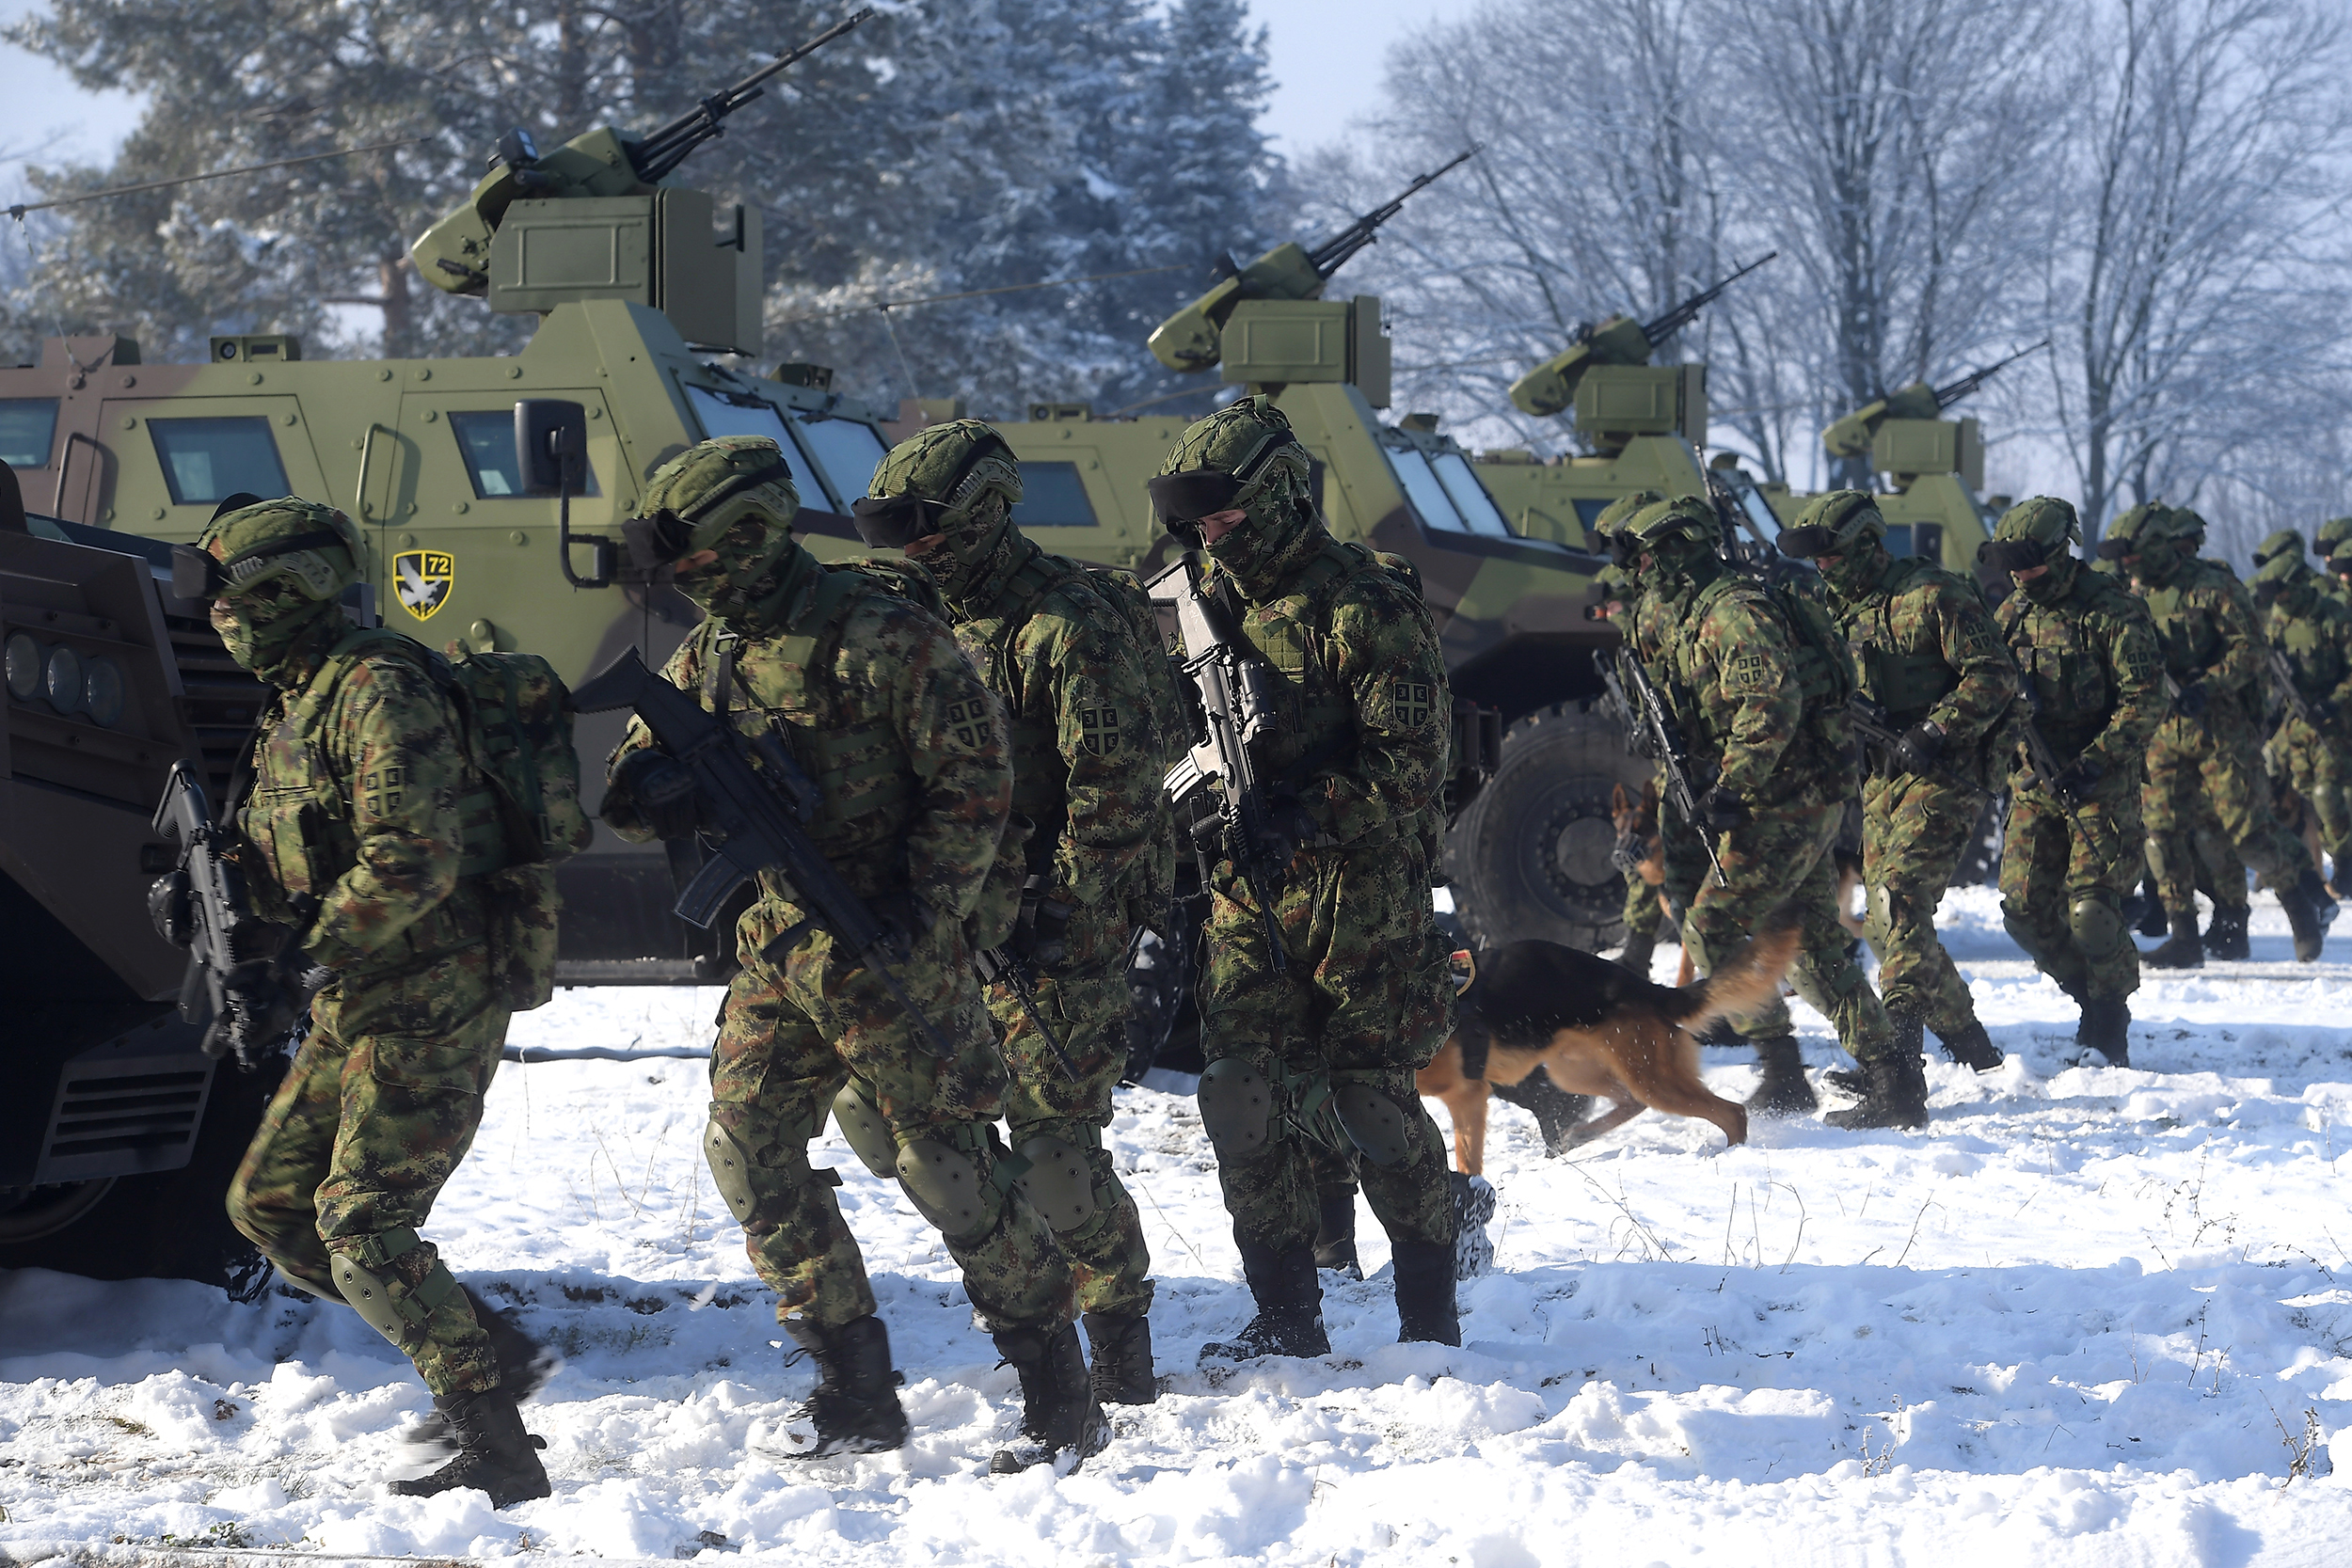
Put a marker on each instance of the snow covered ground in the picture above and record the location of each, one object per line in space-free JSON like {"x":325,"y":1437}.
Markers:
{"x":2088,"y":1316}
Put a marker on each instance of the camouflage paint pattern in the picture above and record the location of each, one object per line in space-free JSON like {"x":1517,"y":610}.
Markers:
{"x":2313,"y":630}
{"x":1913,"y":832}
{"x":1730,"y":664}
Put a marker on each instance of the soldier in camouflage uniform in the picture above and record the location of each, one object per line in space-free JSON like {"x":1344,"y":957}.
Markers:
{"x":881,"y":709}
{"x":1325,"y":1049}
{"x":2307,"y":625}
{"x":1621,"y":606}
{"x":2207,"y":752}
{"x":1935,"y":665}
{"x":2093,"y":680}
{"x":1763,"y":711}
{"x":365,"y":840}
{"x":1091,"y":699}
{"x":2331,"y":537}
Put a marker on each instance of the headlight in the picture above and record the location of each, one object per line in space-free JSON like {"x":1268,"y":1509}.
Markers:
{"x":61,"y":680}
{"x":101,"y":690}
{"x":24,"y":661}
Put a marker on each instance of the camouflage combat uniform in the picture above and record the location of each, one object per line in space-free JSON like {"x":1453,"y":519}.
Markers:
{"x":2314,"y":631}
{"x":1088,"y":695}
{"x":1763,"y":737}
{"x":1622,"y":597}
{"x":2093,"y":677}
{"x":1930,"y":657}
{"x":1356,"y":761}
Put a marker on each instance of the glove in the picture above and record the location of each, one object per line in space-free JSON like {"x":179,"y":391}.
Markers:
{"x":171,"y":905}
{"x":1287,"y":825}
{"x":1920,"y":745}
{"x":659,"y":790}
{"x":1043,"y":934}
{"x":2192,"y":699}
{"x":1724,"y":811}
{"x":2077,"y":778}
{"x":259,"y":1009}
{"x":909,"y":918}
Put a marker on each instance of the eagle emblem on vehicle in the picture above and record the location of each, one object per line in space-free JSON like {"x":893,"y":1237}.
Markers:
{"x":424,"y":579}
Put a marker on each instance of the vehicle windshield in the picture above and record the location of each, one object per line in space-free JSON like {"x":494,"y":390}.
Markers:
{"x":1422,"y":488}
{"x":1469,"y":498}
{"x":848,"y":452}
{"x":723,"y":415}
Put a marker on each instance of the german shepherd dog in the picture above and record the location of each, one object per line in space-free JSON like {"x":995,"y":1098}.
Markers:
{"x":1597,"y":1030}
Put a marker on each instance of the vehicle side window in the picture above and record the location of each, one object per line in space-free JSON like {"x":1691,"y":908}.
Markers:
{"x":486,"y":440}
{"x":1053,"y":495}
{"x":27,"y":425}
{"x":209,"y":459}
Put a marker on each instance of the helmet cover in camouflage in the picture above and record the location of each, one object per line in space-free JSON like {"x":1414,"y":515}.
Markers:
{"x":958,"y":479}
{"x":2334,"y":531}
{"x":1674,"y":529}
{"x":2280,"y":567}
{"x":732,"y":495}
{"x":2152,"y":539}
{"x":1834,"y":524}
{"x":1621,"y":511}
{"x":1250,"y":462}
{"x":310,"y":547}
{"x":2339,"y":558}
{"x":2034,"y":532}
{"x":2280,"y":541}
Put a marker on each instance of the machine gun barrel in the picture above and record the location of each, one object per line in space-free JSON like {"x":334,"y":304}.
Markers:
{"x":1947,"y":395}
{"x":1332,"y":254}
{"x":1685,"y":313}
{"x":758,"y":807}
{"x":664,"y":147}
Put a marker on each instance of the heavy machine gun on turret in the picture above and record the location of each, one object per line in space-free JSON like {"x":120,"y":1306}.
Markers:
{"x":1556,"y":385}
{"x":592,"y":219}
{"x":1214,"y":326}
{"x":1901,"y":434}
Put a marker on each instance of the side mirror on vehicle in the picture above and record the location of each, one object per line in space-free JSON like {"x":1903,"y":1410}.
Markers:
{"x":552,"y":452}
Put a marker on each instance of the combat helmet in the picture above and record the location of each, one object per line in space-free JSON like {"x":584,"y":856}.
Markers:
{"x":1846,"y":524}
{"x":1608,"y":529}
{"x":2283,"y":540}
{"x":732,"y":495}
{"x":2034,"y":532}
{"x":2334,"y":531}
{"x":1244,"y":457}
{"x":1677,"y":534}
{"x":959,"y":481}
{"x":272,"y":570}
{"x":2152,"y":539}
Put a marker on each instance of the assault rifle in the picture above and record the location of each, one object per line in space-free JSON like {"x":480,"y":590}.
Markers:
{"x":2045,"y":771}
{"x":2282,"y":673}
{"x":1332,"y":254}
{"x":661,"y":149}
{"x":995,"y":964}
{"x":1238,"y":704}
{"x":755,"y":798}
{"x":1637,"y":737}
{"x":1665,"y":744}
{"x":234,"y":961}
{"x":1869,"y":721}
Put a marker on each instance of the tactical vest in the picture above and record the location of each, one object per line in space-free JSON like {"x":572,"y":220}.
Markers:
{"x":780,"y":681}
{"x":1823,"y":669}
{"x":1317,"y":721}
{"x":2315,"y":658}
{"x":1906,"y":685}
{"x":2188,"y":632}
{"x":2063,"y":660}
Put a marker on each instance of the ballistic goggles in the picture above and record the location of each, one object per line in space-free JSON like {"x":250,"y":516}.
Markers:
{"x":2116,"y":549}
{"x":196,"y":574}
{"x":1184,"y":499}
{"x":1804,"y":544}
{"x":2012,"y":555}
{"x":894,"y":522}
{"x":662,"y":537}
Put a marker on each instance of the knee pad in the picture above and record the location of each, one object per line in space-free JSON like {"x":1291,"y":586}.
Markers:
{"x":1373,"y":1123}
{"x":385,"y":1302}
{"x":1057,"y":1184}
{"x":945,"y":1186}
{"x":730,"y":1171}
{"x":1236,"y":1108}
{"x":1878,"y":918}
{"x":868,"y":1134}
{"x":2098,"y":928}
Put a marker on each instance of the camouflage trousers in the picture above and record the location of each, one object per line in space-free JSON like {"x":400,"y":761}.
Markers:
{"x":1644,"y":915}
{"x":1786,"y":857}
{"x":2063,"y":884}
{"x":1365,"y":997}
{"x":1085,"y":1002}
{"x":1913,"y":832}
{"x":790,"y":1038}
{"x":2210,"y":762}
{"x":380,"y":1104}
{"x":2314,"y":763}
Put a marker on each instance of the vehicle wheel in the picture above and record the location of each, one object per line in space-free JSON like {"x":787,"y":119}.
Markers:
{"x":172,"y":1224}
{"x":1530,"y":858}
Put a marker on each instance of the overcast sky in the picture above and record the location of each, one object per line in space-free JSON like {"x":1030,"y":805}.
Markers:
{"x":1326,"y":64}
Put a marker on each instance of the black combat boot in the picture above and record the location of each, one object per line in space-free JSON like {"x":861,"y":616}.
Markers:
{"x":524,"y":1366}
{"x":2310,"y":912}
{"x":1290,"y":1308}
{"x":2184,"y":949}
{"x":2106,"y":1028}
{"x":1910,"y":1034}
{"x":1057,"y":1410}
{"x":1558,"y":1114}
{"x":2144,"y":910}
{"x":855,"y":1408}
{"x":1894,"y":1091}
{"x":1784,"y":1091}
{"x":1971,"y":1047}
{"x":1335,"y":1231}
{"x":2225,"y":935}
{"x":1638,"y":953}
{"x":495,"y":1454}
{"x":1424,"y":1293}
{"x":1122,"y":1358}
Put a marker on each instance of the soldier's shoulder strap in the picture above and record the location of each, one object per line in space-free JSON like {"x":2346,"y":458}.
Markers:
{"x":1342,"y":562}
{"x":307,"y":708}
{"x":812,"y":626}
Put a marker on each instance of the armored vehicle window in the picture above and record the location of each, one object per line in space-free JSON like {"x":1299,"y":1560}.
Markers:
{"x":1053,"y":495}
{"x":1422,"y":488}
{"x":848,"y":450}
{"x":1915,"y":538}
{"x":26,"y":427}
{"x":205,"y":460}
{"x":722,"y":415}
{"x":486,"y":440}
{"x":1469,"y":498}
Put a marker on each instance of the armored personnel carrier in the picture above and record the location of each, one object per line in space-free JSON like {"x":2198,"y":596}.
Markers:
{"x":118,"y":1136}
